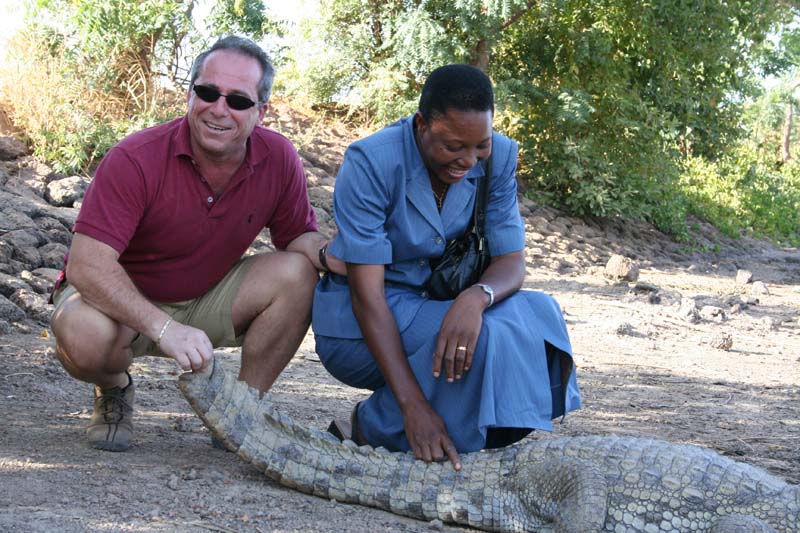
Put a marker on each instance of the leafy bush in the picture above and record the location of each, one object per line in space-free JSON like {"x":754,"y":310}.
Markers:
{"x":740,"y":193}
{"x":69,"y":123}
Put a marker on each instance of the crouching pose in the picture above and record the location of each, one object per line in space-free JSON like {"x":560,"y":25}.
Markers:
{"x":479,"y":371}
{"x":156,"y":265}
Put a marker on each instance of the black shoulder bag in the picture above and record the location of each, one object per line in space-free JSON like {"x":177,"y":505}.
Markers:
{"x":465,"y":258}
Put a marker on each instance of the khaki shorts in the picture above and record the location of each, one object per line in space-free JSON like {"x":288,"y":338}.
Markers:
{"x":211,"y":312}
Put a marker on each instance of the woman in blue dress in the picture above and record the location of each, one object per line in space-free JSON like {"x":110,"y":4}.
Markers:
{"x":480,"y":371}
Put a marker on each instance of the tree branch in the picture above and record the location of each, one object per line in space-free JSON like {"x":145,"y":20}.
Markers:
{"x":517,"y":16}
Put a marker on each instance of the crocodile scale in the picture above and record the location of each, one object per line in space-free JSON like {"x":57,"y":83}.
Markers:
{"x":580,"y":484}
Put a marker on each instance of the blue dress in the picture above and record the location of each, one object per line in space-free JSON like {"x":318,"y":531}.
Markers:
{"x":522,"y":374}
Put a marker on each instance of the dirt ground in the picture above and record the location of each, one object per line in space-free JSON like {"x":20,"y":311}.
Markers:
{"x":686,"y":354}
{"x":644,"y":369}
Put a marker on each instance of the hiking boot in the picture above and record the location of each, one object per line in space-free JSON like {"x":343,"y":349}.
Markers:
{"x":111,"y":425}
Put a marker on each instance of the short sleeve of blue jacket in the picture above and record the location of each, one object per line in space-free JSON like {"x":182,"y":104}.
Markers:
{"x":360,"y":206}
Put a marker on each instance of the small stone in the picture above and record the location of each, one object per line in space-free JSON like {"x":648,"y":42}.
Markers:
{"x":712,"y":312}
{"x":65,"y":192}
{"x":625,"y":329}
{"x":622,"y":268}
{"x":722,"y":341}
{"x":173,"y":482}
{"x":11,"y":148}
{"x":769,"y":323}
{"x":216,"y":475}
{"x":688,"y":310}
{"x":642,"y":287}
{"x":436,"y":524}
{"x":595,"y":270}
{"x":743,"y":277}
{"x":759,"y":287}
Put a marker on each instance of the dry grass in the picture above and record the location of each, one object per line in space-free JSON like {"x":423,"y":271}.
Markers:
{"x":66,"y":116}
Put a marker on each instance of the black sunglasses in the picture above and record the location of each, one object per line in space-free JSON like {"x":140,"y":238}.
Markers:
{"x":210,"y":94}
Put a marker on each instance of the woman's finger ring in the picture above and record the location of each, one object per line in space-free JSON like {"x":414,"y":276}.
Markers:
{"x":461,"y":349}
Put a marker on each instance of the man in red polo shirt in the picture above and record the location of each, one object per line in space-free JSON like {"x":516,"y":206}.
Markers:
{"x":156,"y":261}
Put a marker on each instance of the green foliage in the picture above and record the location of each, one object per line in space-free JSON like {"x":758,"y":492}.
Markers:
{"x":606,"y":97}
{"x":243,"y":17}
{"x":115,"y":46}
{"x":741,"y":193}
{"x":375,"y":54}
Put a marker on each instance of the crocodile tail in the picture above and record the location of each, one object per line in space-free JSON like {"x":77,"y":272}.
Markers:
{"x":308,"y":460}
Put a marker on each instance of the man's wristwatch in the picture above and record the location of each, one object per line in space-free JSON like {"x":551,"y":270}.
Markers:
{"x":323,"y":257}
{"x":488,"y":290}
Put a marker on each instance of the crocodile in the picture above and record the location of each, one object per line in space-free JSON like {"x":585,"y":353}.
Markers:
{"x":580,"y":484}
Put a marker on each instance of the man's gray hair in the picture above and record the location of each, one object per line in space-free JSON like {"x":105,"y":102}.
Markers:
{"x":245,"y":47}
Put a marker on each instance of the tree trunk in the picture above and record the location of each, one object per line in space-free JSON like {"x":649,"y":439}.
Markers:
{"x":481,"y":57}
{"x":787,"y":132}
{"x":786,"y":153}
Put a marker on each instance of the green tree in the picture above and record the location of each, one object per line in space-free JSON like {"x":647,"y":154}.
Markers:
{"x":605,"y":96}
{"x":379,"y":52}
{"x":118,"y":48}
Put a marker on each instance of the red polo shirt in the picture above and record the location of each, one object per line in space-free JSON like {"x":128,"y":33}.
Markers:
{"x":148,"y":202}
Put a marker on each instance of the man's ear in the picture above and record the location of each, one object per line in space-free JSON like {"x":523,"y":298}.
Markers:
{"x":262,"y":111}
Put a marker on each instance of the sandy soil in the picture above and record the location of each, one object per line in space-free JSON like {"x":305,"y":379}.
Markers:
{"x":643,"y":370}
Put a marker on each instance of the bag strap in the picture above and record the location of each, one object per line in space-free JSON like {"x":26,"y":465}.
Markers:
{"x":481,"y":201}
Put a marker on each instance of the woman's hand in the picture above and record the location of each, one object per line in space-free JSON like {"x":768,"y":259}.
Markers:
{"x":427,"y":435}
{"x":458,"y":335}
{"x":424,"y":429}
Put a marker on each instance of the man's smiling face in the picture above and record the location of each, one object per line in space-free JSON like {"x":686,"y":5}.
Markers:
{"x":218,"y":132}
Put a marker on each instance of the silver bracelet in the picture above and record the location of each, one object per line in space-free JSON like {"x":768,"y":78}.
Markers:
{"x":163,"y":330}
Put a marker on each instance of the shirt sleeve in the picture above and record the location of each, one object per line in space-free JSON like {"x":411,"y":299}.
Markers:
{"x":115,"y":201}
{"x":505,"y":230}
{"x":360,"y":203}
{"x":294,"y":214}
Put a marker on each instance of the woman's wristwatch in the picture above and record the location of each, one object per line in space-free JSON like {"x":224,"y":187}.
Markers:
{"x":488,"y":290}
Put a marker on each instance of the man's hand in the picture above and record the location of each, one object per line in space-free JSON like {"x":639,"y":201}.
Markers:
{"x":189,"y":346}
{"x":428,"y":436}
{"x":310,"y":244}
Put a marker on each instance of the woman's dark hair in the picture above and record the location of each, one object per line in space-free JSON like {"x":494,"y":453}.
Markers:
{"x":462,"y":87}
{"x":247,"y":48}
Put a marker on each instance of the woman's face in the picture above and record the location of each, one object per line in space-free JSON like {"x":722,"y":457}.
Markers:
{"x":452,"y":143}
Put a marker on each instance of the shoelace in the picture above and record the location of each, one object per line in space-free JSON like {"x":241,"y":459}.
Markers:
{"x":113,"y":406}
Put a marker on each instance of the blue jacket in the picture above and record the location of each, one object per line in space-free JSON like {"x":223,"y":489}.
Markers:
{"x":386,"y":215}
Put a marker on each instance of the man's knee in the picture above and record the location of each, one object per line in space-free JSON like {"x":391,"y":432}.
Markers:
{"x":301,"y":271}
{"x":290,"y":272}
{"x":85,"y":338}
